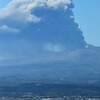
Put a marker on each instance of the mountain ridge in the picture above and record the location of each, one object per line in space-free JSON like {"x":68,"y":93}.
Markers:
{"x":79,"y":66}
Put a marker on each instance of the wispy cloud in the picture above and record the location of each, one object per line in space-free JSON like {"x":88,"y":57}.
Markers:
{"x":53,"y":47}
{"x":7,"y":29}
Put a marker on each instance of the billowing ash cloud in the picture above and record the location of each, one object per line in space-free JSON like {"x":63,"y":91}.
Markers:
{"x":21,"y":10}
{"x":57,"y":31}
{"x":46,"y":24}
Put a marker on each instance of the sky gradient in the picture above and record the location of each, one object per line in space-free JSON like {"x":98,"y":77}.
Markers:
{"x":87,"y":15}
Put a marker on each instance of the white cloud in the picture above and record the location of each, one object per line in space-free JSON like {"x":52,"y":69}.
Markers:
{"x":72,"y":17}
{"x":17,"y":10}
{"x":5,"y":28}
{"x":53,"y":47}
{"x":49,"y":3}
{"x":58,"y":3}
{"x":21,"y":10}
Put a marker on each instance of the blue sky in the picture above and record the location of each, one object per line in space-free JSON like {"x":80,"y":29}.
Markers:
{"x":29,"y":29}
{"x":87,"y":15}
{"x":3,"y":3}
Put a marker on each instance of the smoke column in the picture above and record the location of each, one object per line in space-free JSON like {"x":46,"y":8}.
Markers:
{"x":57,"y":31}
{"x":29,"y":28}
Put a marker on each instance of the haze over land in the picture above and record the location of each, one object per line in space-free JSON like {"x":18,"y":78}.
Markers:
{"x":41,"y":41}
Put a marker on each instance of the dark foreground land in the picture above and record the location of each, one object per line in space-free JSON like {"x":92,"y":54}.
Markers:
{"x":33,"y":91}
{"x":52,"y":98}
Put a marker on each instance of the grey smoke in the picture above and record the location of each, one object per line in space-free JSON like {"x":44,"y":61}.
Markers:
{"x":57,"y":31}
{"x":45,"y":26}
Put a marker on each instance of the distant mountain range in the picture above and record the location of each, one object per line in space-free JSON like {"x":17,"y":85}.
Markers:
{"x":79,"y":66}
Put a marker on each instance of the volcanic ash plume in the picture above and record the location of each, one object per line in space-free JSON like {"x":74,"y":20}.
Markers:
{"x":57,"y":31}
{"x":46,"y":24}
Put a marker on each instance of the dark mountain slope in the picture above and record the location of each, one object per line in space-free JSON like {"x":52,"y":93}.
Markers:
{"x":80,"y":66}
